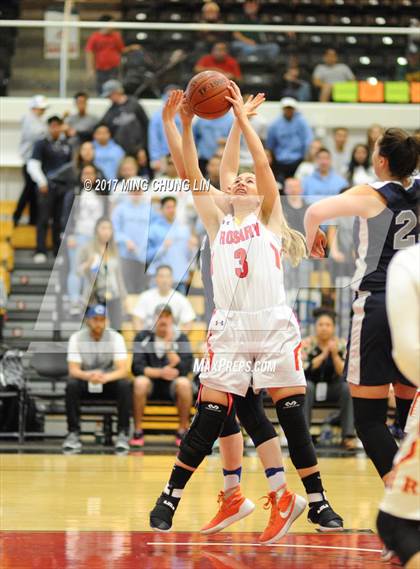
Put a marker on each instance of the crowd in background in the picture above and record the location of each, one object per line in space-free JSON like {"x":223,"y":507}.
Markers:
{"x":108,"y":56}
{"x":82,"y":174}
{"x":67,"y":156}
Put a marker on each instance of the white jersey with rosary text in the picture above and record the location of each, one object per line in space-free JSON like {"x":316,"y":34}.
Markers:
{"x":246,"y":265}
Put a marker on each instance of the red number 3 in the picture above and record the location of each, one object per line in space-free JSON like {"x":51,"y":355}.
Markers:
{"x":242,"y":270}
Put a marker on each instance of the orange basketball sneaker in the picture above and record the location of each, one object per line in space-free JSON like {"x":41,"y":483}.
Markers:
{"x":284,"y":511}
{"x":232,"y":509}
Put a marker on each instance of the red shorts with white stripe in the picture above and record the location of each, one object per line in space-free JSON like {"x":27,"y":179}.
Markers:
{"x":260,"y":348}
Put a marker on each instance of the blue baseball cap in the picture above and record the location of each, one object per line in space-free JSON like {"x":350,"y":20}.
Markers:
{"x":97,"y":310}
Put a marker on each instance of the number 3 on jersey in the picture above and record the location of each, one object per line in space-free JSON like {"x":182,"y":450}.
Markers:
{"x":240,"y":254}
{"x":242,"y":270}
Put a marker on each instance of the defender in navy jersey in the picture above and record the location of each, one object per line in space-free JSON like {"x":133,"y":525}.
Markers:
{"x":386,"y":222}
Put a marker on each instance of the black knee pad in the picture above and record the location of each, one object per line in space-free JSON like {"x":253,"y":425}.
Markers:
{"x":370,"y":422}
{"x":251,"y":414}
{"x":231,"y":425}
{"x":399,"y":535}
{"x":205,"y":428}
{"x":291,"y":415}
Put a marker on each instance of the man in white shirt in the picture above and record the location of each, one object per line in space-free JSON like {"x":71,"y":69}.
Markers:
{"x":330,"y":72}
{"x":98,"y":368}
{"x":144,"y":311}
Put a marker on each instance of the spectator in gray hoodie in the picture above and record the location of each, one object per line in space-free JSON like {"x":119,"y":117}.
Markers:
{"x":33,"y":128}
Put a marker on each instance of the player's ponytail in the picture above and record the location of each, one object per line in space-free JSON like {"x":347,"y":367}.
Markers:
{"x":294,"y":244}
{"x":401,"y":150}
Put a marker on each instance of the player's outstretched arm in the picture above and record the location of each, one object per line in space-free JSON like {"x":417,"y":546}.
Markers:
{"x":173,"y":136}
{"x":229,"y":165}
{"x":204,"y":201}
{"x":362,"y":201}
{"x":266,"y":181}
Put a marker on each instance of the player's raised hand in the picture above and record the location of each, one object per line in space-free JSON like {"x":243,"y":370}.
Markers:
{"x":252,"y":104}
{"x":172,"y":105}
{"x":237,"y":101}
{"x":185,"y":112}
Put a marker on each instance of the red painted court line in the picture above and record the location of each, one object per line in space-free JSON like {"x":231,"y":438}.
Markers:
{"x":148,"y":550}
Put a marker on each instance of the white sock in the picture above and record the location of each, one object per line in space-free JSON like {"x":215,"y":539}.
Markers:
{"x":231,"y":478}
{"x":276,"y":477}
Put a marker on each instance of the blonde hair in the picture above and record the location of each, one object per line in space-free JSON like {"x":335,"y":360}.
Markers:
{"x":294,"y":243}
{"x":124,"y":161}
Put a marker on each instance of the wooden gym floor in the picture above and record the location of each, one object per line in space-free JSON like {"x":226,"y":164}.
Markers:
{"x":91,"y":511}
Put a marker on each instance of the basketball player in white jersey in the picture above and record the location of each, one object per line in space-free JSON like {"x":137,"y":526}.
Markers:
{"x":247,"y":246}
{"x":399,"y":516}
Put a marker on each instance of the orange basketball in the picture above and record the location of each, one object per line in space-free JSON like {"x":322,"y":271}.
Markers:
{"x":206,"y":94}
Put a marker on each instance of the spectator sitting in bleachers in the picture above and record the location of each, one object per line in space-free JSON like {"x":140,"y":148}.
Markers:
{"x":294,"y":208}
{"x":210,"y":14}
{"x":330,"y":72}
{"x":80,"y":125}
{"x":129,"y":180}
{"x":82,"y":209}
{"x":295,"y":87}
{"x":213,"y":171}
{"x":162,"y":360}
{"x":308,"y":165}
{"x":143,"y":166}
{"x":341,"y":244}
{"x":185,"y":211}
{"x":324,"y":181}
{"x":98,"y":369}
{"x":207,"y":134}
{"x":33,"y":128}
{"x":323,"y":358}
{"x":253,"y":43}
{"x":133,"y":219}
{"x":360,"y":170}
{"x":103,"y":54}
{"x":158,"y":146}
{"x":99,"y":264}
{"x":411,"y":71}
{"x":163,"y":293}
{"x":137,"y":65}
{"x":372,"y":134}
{"x":108,"y":154}
{"x":340,"y":150}
{"x":220,"y":60}
{"x":172,"y":244}
{"x":48,"y":156}
{"x":125,"y":118}
{"x":288,"y":138}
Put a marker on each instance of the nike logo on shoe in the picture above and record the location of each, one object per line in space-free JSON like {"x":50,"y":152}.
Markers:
{"x":286,"y":513}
